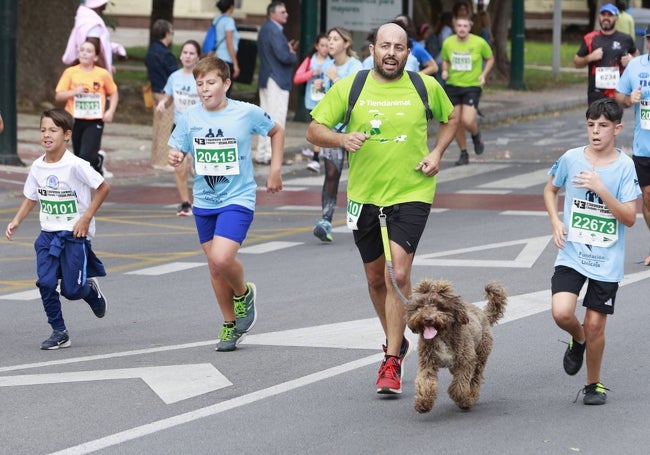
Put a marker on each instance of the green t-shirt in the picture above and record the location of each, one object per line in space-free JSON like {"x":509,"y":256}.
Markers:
{"x":465,"y":59}
{"x":382,"y":170}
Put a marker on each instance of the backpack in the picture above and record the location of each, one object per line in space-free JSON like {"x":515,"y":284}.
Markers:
{"x":210,"y":41}
{"x":359,"y":81}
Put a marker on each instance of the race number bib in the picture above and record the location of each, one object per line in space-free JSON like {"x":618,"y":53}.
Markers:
{"x":461,"y":62}
{"x":644,"y":114}
{"x":607,"y":77}
{"x":88,"y":105}
{"x":352,"y":217}
{"x":58,"y":208}
{"x":216,"y":156}
{"x":592,"y":224}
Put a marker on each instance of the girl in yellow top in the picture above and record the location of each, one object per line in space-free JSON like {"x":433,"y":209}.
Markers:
{"x":84,"y":88}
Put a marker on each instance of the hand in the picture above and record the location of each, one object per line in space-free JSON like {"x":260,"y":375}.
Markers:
{"x":175,"y":157}
{"x":430,"y":165}
{"x":588,"y":179}
{"x":353,"y":141}
{"x":11,"y":229}
{"x":596,"y":55}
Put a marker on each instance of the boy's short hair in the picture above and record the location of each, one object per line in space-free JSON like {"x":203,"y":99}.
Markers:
{"x":606,"y":107}
{"x":212,"y":63}
{"x":61,"y":118}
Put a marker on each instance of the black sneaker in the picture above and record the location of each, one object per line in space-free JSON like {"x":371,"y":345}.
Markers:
{"x":464,"y":159}
{"x":98,"y":304}
{"x":479,"y":146}
{"x":573,"y":357}
{"x":595,"y":394}
{"x":57,"y":340}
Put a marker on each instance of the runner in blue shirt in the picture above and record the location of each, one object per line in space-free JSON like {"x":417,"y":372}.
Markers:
{"x":217,"y":133}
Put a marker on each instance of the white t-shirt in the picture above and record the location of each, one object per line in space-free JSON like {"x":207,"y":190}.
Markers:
{"x":63,"y":190}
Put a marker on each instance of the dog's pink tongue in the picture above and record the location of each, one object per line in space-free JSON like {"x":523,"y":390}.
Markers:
{"x":429,"y":332}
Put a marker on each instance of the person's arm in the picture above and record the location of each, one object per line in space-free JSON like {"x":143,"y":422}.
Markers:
{"x":625,"y":212}
{"x":164,"y":103}
{"x":430,"y":164}
{"x":557,"y":225}
{"x":230,"y":45}
{"x":2,"y":124}
{"x":489,"y":63}
{"x":430,"y":68}
{"x":628,"y":100}
{"x":63,"y":96}
{"x":581,"y":62}
{"x":80,"y":228}
{"x":274,"y":180}
{"x":23,"y":211}
{"x":321,"y":135}
{"x":112,"y":106}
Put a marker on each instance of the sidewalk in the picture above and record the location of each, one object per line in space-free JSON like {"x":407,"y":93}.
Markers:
{"x":128,"y":146}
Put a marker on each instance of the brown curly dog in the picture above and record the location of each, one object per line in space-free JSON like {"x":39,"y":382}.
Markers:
{"x":454,"y":335}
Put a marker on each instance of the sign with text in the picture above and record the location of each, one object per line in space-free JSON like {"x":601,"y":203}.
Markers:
{"x":361,"y":15}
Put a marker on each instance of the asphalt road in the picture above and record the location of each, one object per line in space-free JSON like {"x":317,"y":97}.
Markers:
{"x":146,"y":378}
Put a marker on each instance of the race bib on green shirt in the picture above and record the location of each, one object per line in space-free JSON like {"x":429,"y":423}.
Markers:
{"x":353,"y":212}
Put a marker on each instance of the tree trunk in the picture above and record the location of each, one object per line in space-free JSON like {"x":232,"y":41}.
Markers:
{"x":500,"y":14}
{"x":42,"y":37}
{"x":161,"y":9}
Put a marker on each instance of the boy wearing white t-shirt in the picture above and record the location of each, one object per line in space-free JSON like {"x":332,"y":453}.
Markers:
{"x":63,"y":184}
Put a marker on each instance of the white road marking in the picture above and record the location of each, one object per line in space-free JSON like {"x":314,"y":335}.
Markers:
{"x":25,"y":295}
{"x":166,"y":268}
{"x":268,"y":247}
{"x":171,"y":383}
{"x":519,"y":182}
{"x":531,"y":251}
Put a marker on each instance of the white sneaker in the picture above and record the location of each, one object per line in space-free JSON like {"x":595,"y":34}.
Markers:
{"x":308,"y":153}
{"x":314,"y":166}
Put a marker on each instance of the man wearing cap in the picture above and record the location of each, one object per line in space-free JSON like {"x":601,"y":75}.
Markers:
{"x":633,"y":89}
{"x":89,"y":24}
{"x":606,"y":52}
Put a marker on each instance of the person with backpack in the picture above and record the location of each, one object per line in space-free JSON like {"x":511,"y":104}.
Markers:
{"x":310,"y":72}
{"x":391,"y":177}
{"x":222,"y":38}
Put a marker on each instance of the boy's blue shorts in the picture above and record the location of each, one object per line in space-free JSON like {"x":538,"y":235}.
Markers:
{"x":231,"y":222}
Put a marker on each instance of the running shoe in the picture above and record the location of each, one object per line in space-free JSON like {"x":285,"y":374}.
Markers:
{"x":404,"y":349}
{"x":308,"y":153}
{"x":595,"y":394}
{"x":389,"y":380}
{"x":98,"y":301}
{"x":479,"y":146}
{"x":314,"y":166}
{"x":229,"y":338}
{"x":573,"y":357}
{"x":58,"y":339}
{"x":463,"y":159}
{"x":185,"y":209}
{"x":245,"y":309}
{"x":323,"y":230}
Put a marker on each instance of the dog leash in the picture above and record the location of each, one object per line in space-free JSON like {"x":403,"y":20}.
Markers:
{"x":389,"y":259}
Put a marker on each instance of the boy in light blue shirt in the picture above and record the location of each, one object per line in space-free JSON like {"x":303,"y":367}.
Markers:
{"x":601,"y":189}
{"x":218,"y":132}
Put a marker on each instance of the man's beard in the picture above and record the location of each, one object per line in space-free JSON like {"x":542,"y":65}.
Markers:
{"x":610,"y":25}
{"x":391,"y":76}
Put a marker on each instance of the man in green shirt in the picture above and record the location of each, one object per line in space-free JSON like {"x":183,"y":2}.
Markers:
{"x":392,"y":174}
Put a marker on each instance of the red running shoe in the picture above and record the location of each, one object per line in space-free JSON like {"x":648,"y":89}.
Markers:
{"x":390,"y":379}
